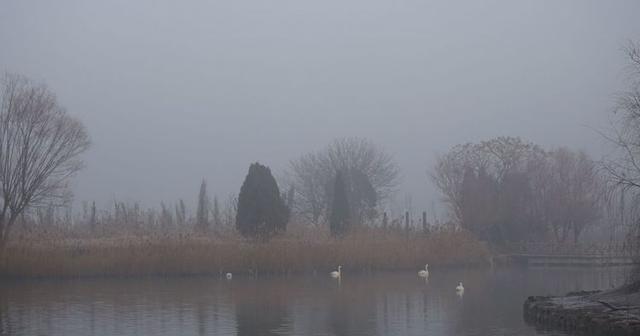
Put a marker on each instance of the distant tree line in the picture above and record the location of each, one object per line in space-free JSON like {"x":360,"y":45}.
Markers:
{"x":508,"y":190}
{"x":503,"y":189}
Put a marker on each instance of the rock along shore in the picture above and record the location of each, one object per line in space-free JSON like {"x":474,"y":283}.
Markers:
{"x":611,"y":313}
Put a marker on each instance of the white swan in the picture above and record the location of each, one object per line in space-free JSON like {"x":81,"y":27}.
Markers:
{"x":460,"y":289}
{"x":338,"y":273}
{"x":229,"y":276}
{"x":425,"y":272}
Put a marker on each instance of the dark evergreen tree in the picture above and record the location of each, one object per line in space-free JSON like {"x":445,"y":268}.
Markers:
{"x":361,"y":196}
{"x":339,"y":219}
{"x":181,"y":213}
{"x":261,"y":210}
{"x":217,"y":221}
{"x":202,"y":212}
{"x":166,"y":217}
{"x":93,"y":214}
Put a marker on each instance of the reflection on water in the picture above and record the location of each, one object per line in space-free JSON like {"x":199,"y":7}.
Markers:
{"x":260,"y":309}
{"x":383,"y":304}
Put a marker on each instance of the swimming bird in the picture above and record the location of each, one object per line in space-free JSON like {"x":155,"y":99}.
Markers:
{"x":338,"y":273}
{"x":229,"y":276}
{"x":425,"y":272}
{"x":460,"y":289}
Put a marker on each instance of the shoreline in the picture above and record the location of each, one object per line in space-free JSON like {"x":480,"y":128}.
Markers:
{"x":613,"y":313}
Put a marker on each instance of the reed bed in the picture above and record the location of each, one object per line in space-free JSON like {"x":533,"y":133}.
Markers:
{"x":180,"y":253}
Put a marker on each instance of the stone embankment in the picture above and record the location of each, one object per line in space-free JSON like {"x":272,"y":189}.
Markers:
{"x":611,"y":313}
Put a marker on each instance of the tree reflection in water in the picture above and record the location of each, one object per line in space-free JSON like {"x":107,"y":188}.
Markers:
{"x":352,"y":310}
{"x":260,"y":312}
{"x":4,"y":324}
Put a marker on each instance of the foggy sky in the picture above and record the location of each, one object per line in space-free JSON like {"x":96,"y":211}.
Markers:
{"x":176,"y":91}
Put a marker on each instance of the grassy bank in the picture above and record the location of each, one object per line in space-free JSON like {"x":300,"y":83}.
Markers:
{"x":192,"y":254}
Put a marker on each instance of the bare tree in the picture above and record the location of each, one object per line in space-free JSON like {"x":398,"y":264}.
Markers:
{"x":574,"y":194}
{"x":370,"y":175}
{"x":310,"y":186}
{"x":623,"y":166}
{"x":507,"y":190}
{"x":40,"y":146}
{"x":497,"y":158}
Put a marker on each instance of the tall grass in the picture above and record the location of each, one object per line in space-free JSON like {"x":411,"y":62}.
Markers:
{"x":38,"y":254}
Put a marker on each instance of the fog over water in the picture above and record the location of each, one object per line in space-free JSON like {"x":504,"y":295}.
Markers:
{"x":173,"y":92}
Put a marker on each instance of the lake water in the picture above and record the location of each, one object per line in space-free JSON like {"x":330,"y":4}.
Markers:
{"x":380,"y":304}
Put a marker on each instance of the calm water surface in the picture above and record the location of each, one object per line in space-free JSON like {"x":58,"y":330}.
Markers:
{"x":381,"y":304}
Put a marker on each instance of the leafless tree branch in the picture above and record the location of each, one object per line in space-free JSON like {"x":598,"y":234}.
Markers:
{"x":40,"y":146}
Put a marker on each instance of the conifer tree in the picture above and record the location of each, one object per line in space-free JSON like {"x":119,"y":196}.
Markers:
{"x":339,"y":219}
{"x":261,"y":210}
{"x":217,"y":220}
{"x":202,"y":212}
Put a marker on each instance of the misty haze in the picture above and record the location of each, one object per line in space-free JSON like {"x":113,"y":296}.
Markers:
{"x":319,"y":168}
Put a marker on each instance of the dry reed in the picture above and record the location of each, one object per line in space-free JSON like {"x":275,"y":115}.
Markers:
{"x":180,"y":253}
